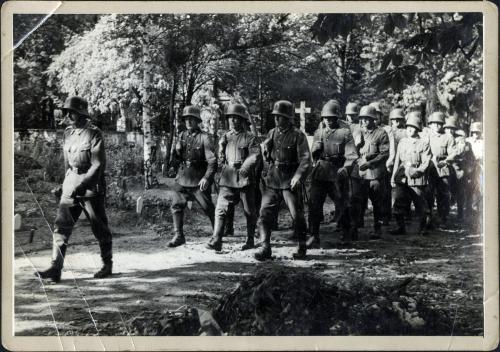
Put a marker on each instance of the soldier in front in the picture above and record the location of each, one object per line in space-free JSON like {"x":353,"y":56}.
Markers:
{"x":370,"y":168}
{"x":333,"y":152}
{"x":410,"y":177}
{"x":287,"y":151}
{"x":194,"y":152}
{"x":239,"y":154}
{"x":83,"y":189}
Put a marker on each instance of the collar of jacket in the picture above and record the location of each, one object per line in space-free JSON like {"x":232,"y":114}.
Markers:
{"x":194,"y":131}
{"x":234,"y":132}
{"x":286,"y":130}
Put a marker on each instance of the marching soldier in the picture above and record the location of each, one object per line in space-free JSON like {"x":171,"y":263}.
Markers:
{"x":239,"y":153}
{"x":194,"y":152}
{"x":442,"y":148}
{"x":83,"y":189}
{"x":287,"y":151}
{"x":374,"y":152}
{"x":410,"y":176}
{"x":396,"y":133}
{"x":474,"y":191}
{"x":462,"y":164}
{"x":333,"y":152}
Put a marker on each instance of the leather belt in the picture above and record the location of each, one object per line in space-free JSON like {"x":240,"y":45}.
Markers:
{"x":79,"y":170}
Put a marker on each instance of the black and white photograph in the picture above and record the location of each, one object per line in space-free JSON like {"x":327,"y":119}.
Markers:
{"x":224,"y":172}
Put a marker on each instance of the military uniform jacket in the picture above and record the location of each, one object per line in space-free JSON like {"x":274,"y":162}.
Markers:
{"x":84,"y":160}
{"x":477,"y":147}
{"x":442,"y":149}
{"x":238,"y":151}
{"x":290,"y":156}
{"x":412,"y":154}
{"x":464,"y":156}
{"x":375,"y":149}
{"x":333,"y":149}
{"x":195,"y":151}
{"x":395,"y":136}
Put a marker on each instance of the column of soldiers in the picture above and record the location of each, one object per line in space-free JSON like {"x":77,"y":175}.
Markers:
{"x":351,"y":160}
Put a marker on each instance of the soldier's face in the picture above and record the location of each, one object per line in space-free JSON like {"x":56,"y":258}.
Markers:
{"x":235,"y":123}
{"x":450,"y":131}
{"x":411,"y":131}
{"x":366,"y":123}
{"x":397,"y":123}
{"x":352,"y":118}
{"x":330,"y":121}
{"x":281,"y":121}
{"x":76,"y":119}
{"x":436,"y":126}
{"x":191,"y":122}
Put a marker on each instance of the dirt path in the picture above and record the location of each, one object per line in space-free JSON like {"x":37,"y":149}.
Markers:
{"x":446,"y":267}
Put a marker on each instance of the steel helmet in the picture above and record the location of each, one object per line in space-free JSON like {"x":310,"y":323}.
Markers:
{"x":191,"y":110}
{"x":376,"y":105}
{"x":331,"y":109}
{"x":368,"y":111}
{"x":396,"y":114}
{"x":352,"y":109}
{"x":437,"y":117}
{"x":476,"y":127}
{"x":236,"y":109}
{"x":76,"y":104}
{"x":283,"y":108}
{"x":413,"y":119}
{"x":451,"y":122}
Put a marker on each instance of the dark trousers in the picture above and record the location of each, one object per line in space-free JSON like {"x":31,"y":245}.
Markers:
{"x":319,"y":191}
{"x":183,"y":194}
{"x":441,"y":194}
{"x":229,"y":223}
{"x":269,"y":209}
{"x":405,"y":194}
{"x":66,"y":218}
{"x":387,"y":198}
{"x":372,"y":190}
{"x":228,"y":198}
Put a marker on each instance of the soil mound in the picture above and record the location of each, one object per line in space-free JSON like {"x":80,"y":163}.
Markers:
{"x":295,"y":302}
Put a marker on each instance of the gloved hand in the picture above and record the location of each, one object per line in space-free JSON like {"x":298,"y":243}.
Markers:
{"x":203,"y":184}
{"x":79,"y":191}
{"x":342,"y":172}
{"x":295,"y":181}
{"x":365,"y":166}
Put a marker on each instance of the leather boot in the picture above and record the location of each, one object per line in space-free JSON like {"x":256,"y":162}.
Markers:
{"x":229,"y":225}
{"x":216,"y":240}
{"x":377,"y":230}
{"x":424,"y":225}
{"x":178,"y":239}
{"x":106,"y":256}
{"x":301,"y":251}
{"x":264,"y":251}
{"x":250,"y":242}
{"x":400,"y":228}
{"x":54,"y":272}
{"x":313,"y":242}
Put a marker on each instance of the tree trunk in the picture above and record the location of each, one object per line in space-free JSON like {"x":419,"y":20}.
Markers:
{"x":146,"y":117}
{"x":171,"y":126}
{"x":432,"y":103}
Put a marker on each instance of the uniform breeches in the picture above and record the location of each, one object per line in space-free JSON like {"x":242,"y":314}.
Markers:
{"x":67,"y":216}
{"x":405,"y":194}
{"x":441,"y":192}
{"x":373,"y":190}
{"x":319,"y":190}
{"x":229,"y":198}
{"x":269,"y":210}
{"x":182,"y":195}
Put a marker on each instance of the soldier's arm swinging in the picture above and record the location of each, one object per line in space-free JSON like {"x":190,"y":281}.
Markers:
{"x":425,"y":158}
{"x":304,"y":156}
{"x":397,"y":163}
{"x":252,"y":158}
{"x":211,"y":163}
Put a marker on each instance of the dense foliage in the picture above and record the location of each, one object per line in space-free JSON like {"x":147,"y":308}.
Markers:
{"x":148,"y":66}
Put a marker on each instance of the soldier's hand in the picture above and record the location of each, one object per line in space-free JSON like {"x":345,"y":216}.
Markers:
{"x":364,"y":166}
{"x":57,"y":192}
{"x":203,"y":184}
{"x":79,"y":191}
{"x":295,"y":181}
{"x":342,"y":172}
{"x":393,"y":184}
{"x":442,"y":163}
{"x":243,"y":173}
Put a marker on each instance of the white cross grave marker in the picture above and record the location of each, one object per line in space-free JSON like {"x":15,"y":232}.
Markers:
{"x":303,"y":111}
